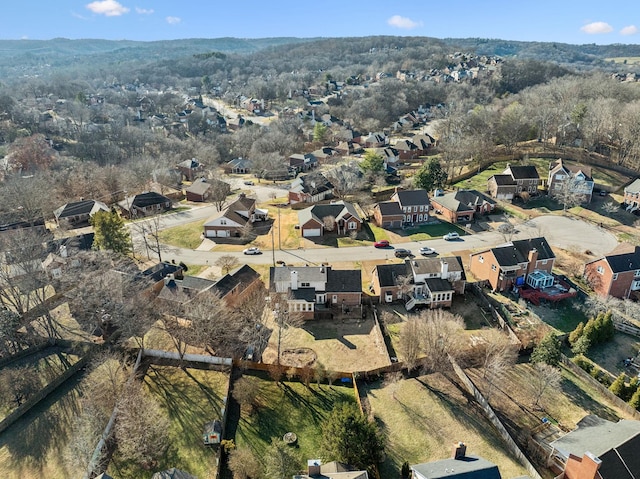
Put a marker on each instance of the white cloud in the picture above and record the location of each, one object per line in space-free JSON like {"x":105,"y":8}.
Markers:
{"x":629,"y":30}
{"x":144,"y":11}
{"x":109,"y":8}
{"x":403,"y":22}
{"x":596,"y":28}
{"x":173,"y":20}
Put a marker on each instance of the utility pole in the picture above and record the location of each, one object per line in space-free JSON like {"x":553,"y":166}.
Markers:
{"x":273,"y":247}
{"x":279,"y":225}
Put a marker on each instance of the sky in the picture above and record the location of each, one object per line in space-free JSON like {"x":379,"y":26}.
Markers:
{"x":563,"y":21}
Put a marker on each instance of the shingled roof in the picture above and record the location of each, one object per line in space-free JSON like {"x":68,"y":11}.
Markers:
{"x":621,"y":263}
{"x":517,"y":252}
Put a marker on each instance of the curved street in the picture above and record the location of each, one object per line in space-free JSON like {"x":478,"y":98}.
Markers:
{"x":560,"y":231}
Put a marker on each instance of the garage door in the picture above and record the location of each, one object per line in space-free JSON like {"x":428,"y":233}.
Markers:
{"x":210,"y":233}
{"x":223,"y":233}
{"x":311,"y":232}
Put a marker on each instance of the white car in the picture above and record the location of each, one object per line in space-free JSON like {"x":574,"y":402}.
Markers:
{"x":426,"y":251}
{"x":252,"y":250}
{"x":451,"y":236}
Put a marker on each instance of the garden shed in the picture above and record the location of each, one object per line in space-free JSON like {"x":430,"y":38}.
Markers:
{"x":212,"y":433}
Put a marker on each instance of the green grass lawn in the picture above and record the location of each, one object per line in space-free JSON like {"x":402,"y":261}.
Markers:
{"x":437,"y":230}
{"x":184,"y":236}
{"x":563,"y":316}
{"x":290,"y":407}
{"x":191,"y":398}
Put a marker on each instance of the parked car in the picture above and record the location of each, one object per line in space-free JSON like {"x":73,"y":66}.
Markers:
{"x":603,"y":193}
{"x":381,"y":244}
{"x":402,"y":253}
{"x":252,"y":250}
{"x":451,"y":236}
{"x":426,"y":251}
{"x":249,"y":183}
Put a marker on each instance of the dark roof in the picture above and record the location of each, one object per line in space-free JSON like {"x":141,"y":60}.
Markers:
{"x":436,"y":285}
{"x":173,"y":473}
{"x":338,"y":210}
{"x":618,"y":462}
{"x":147,"y":199}
{"x":503,"y":180}
{"x":82,"y":242}
{"x":307,"y":294}
{"x":244,"y":275}
{"x":572,"y":168}
{"x":79,"y":208}
{"x":388,"y":273}
{"x":241,"y":204}
{"x":388,"y":208}
{"x":160,"y":270}
{"x":315,"y":183}
{"x":192,"y":163}
{"x":620,"y":263}
{"x":469,"y":467}
{"x":344,"y":281}
{"x":195,"y":283}
{"x":413,"y":197}
{"x":517,"y":252}
{"x":526,"y":172}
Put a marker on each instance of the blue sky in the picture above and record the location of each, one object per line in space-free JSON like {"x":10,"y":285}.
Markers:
{"x":568,"y":21}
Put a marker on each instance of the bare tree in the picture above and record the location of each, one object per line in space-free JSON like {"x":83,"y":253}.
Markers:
{"x":219,"y":192}
{"x":410,"y":344}
{"x":329,"y":223}
{"x":345,"y":179}
{"x":149,"y":231}
{"x":244,"y":464}
{"x":545,"y":378}
{"x":246,"y":391}
{"x":507,"y":230}
{"x":227,"y":262}
{"x":570,"y":192}
{"x":284,"y":318}
{"x":497,"y":354}
{"x":17,"y":385}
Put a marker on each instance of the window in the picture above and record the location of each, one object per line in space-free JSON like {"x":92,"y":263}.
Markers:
{"x":637,"y":273}
{"x":493,"y":267}
{"x":353,"y":225}
{"x":223,"y":222}
{"x":524,"y":266}
{"x":480,"y":259}
{"x":544,"y":261}
{"x":305,"y":285}
{"x":420,"y":216}
{"x":421,"y":208}
{"x":615,"y":276}
{"x":600,"y":269}
{"x":415,"y":209}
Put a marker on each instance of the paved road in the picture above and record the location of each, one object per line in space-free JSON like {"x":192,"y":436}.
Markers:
{"x":563,"y":232}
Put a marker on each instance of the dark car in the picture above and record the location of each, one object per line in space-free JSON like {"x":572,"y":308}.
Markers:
{"x":402,"y":253}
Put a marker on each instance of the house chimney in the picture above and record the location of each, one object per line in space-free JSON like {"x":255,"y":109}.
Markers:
{"x":294,"y":280}
{"x":168,"y":278}
{"x":532,"y":257}
{"x":444,"y":269}
{"x":459,"y":450}
{"x":314,"y":467}
{"x":588,"y":468}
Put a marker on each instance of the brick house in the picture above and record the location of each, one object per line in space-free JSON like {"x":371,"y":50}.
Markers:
{"x":388,"y":214}
{"x":339,"y":217}
{"x":502,"y":187}
{"x":513,"y":181}
{"x":190,"y":169}
{"x":144,"y":204}
{"x":78,"y":213}
{"x":235,"y":219}
{"x":238,"y":166}
{"x":579,"y":178}
{"x":199,"y":191}
{"x":375,"y":140}
{"x":414,"y":204}
{"x":318,"y":292}
{"x":421,"y":281}
{"x":631,"y":199}
{"x":509,"y":265}
{"x":463,"y":205}
{"x":407,"y":150}
{"x":617,"y":274}
{"x":237,"y":286}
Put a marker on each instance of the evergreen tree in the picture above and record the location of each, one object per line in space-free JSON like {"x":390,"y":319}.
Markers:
{"x":548,"y":351}
{"x":581,"y":346}
{"x":618,"y":386}
{"x":635,"y":399}
{"x":319,"y":132}
{"x":608,"y":328}
{"x":430,"y":176}
{"x":576,"y":333}
{"x":372,"y":162}
{"x":110,"y":232}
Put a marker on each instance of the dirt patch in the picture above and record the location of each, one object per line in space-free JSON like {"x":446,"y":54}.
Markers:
{"x":297,"y":357}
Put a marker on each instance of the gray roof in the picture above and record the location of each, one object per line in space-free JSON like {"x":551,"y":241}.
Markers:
{"x":306,"y":274}
{"x":526,"y":172}
{"x":79,"y":208}
{"x":338,"y":210}
{"x":633,"y":187}
{"x":199,"y":187}
{"x":389,"y":208}
{"x":421,"y":266}
{"x":503,"y":180}
{"x":597,"y":436}
{"x":468,"y":467}
{"x":173,"y":473}
{"x":516,"y":252}
{"x":438,"y":285}
{"x":243,"y":276}
{"x":315,"y":183}
{"x":192,"y":163}
{"x":621,"y":263}
{"x":413,"y":197}
{"x":388,"y":273}
{"x":462,"y":200}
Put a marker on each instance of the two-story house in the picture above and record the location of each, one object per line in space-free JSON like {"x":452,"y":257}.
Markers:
{"x":339,"y":217}
{"x":462,"y":205}
{"x":631,"y":199}
{"x":190,"y":169}
{"x":302,"y":162}
{"x":375,"y":140}
{"x":421,"y":281}
{"x":616,"y":274}
{"x":317,"y":292}
{"x":388,"y":214}
{"x":407,"y":150}
{"x":235,"y":218}
{"x":509,"y":265}
{"x":311,"y":188}
{"x":414,"y":204}
{"x":571,"y":178}
{"x":514,"y":181}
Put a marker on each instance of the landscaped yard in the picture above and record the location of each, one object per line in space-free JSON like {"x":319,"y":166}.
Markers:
{"x":184,"y":236}
{"x":191,"y":398}
{"x":424,"y":417}
{"x":288,"y":407}
{"x":563,"y":316}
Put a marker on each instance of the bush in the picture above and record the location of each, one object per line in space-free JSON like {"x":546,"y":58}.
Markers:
{"x":583,"y":363}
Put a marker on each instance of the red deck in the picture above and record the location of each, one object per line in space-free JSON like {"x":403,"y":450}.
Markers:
{"x":555,"y":293}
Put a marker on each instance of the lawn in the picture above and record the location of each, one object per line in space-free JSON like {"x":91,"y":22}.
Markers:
{"x":609,"y":355}
{"x":423,"y":417}
{"x":432,"y":231}
{"x":184,"y":236}
{"x":190,"y":398}
{"x":288,"y":407}
{"x":563,"y":316}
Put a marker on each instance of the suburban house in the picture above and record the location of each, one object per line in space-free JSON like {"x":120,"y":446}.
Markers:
{"x":78,"y":213}
{"x":235,"y":219}
{"x":407,"y":150}
{"x":144,"y":204}
{"x":318,"y":292}
{"x":310,"y":189}
{"x":631,"y":199}
{"x":616,"y":274}
{"x":339,"y":217}
{"x":331,"y":470}
{"x":190,"y":169}
{"x":460,"y":466}
{"x":238,"y":166}
{"x":414,"y":204}
{"x":375,"y":140}
{"x":598,"y":449}
{"x":461,"y":206}
{"x":158,"y":272}
{"x":424,"y":142}
{"x":387,"y":214}
{"x":509,"y":265}
{"x":575,"y":179}
{"x":182,"y":289}
{"x":199,"y":191}
{"x":302,"y":162}
{"x":513,"y":181}
{"x":238,"y":285}
{"x":390,"y":156}
{"x":429,"y":282}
